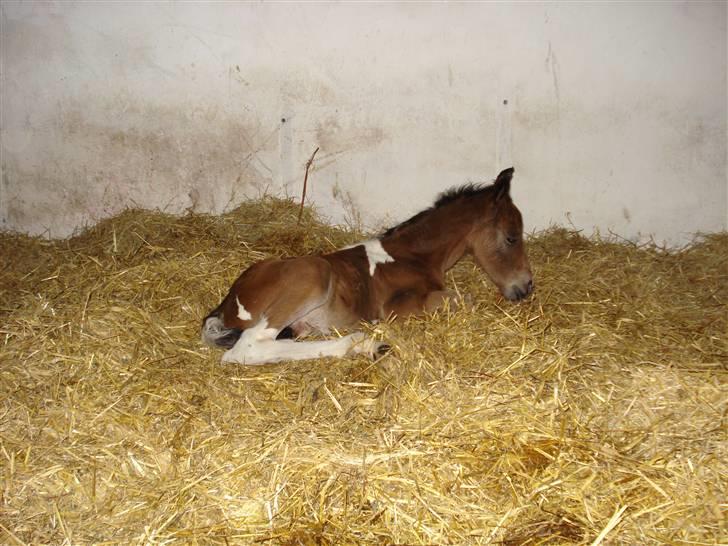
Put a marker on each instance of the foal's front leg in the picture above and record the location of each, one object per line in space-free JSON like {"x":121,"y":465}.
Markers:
{"x":437,"y":299}
{"x":415,"y":303}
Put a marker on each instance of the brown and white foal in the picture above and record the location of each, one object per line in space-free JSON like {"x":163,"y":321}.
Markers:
{"x":400,"y":273}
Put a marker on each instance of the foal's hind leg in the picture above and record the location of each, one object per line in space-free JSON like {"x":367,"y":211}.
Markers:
{"x":303,"y":288}
{"x":281,"y":291}
{"x":258,"y":345}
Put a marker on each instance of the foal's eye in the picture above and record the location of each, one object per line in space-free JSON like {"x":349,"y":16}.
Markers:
{"x":511,"y":241}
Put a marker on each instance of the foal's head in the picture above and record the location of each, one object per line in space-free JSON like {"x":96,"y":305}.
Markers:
{"x":497,"y":242}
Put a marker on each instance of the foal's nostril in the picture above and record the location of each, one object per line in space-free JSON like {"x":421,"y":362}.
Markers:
{"x":518,"y":291}
{"x":515,"y":293}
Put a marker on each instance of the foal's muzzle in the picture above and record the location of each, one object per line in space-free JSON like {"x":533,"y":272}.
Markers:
{"x":517,"y":292}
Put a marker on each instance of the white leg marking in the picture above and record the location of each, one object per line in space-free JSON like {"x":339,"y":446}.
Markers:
{"x":243,"y":313}
{"x":362,"y":344}
{"x":258,"y":345}
{"x":376,"y":254}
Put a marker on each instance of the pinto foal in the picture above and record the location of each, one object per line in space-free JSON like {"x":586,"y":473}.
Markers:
{"x":277,"y":301}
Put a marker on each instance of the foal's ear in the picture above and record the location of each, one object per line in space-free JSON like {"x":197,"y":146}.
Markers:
{"x":502,"y":184}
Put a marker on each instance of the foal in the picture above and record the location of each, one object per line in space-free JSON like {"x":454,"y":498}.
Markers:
{"x":402,"y":272}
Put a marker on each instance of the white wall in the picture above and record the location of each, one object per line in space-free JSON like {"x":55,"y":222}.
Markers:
{"x":616,"y":113}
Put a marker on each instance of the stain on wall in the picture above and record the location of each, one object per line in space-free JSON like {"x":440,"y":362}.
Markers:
{"x":192,"y":157}
{"x":338,"y":134}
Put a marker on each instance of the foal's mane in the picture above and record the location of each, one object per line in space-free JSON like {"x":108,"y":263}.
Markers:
{"x":445,"y":198}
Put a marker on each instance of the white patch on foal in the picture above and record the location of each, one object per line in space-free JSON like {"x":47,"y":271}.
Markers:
{"x":243,"y":313}
{"x":376,"y":254}
{"x":258,"y":345}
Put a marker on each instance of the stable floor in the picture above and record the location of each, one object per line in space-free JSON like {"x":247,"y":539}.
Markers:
{"x":593,"y":412}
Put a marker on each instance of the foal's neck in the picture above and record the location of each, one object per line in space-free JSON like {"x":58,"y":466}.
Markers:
{"x":439,"y":238}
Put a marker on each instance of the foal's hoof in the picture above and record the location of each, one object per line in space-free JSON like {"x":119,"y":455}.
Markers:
{"x":364,"y":345}
{"x":381,"y":350}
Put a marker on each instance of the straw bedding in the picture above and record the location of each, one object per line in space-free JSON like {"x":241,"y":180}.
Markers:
{"x":592,"y":413}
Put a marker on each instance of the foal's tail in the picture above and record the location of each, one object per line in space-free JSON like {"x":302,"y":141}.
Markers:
{"x":214,"y":332}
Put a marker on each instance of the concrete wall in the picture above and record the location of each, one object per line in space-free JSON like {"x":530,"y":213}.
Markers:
{"x":613,"y":114}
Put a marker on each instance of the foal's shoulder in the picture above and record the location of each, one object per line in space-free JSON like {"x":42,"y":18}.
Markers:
{"x":367,"y":254}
